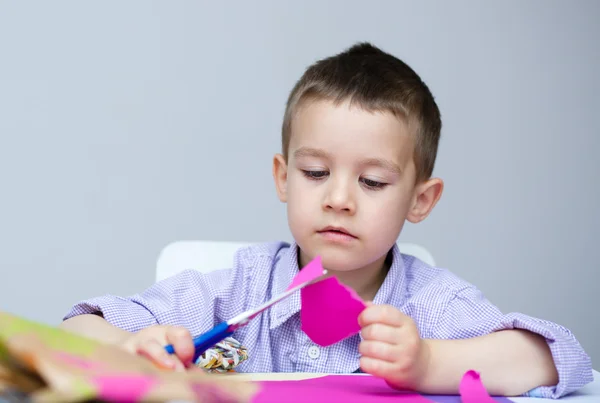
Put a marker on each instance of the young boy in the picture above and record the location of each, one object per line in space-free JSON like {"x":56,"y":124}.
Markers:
{"x":360,"y":137}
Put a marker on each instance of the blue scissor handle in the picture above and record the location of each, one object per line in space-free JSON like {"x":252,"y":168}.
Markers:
{"x":206,"y":340}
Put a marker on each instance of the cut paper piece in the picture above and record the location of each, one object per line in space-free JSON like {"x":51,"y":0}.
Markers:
{"x":58,"y":366}
{"x":308,"y":273}
{"x":472,"y":390}
{"x":474,"y":393}
{"x":330,"y":311}
{"x":335,"y":388}
{"x":123,"y":388}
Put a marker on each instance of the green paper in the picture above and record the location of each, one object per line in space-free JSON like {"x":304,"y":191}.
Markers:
{"x":54,"y":338}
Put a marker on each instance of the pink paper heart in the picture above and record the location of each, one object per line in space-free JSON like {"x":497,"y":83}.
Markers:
{"x":329,"y":310}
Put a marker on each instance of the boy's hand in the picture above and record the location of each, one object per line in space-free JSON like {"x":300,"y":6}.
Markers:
{"x":392,"y":348}
{"x":151,"y":342}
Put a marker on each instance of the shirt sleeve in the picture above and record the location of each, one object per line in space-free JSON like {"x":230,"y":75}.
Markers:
{"x":469,"y":314}
{"x":190,"y":299}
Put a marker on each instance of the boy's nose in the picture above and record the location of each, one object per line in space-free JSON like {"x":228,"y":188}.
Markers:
{"x":339,"y":199}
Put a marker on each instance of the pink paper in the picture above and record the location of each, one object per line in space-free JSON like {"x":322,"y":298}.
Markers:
{"x":206,"y":392}
{"x":335,"y":388}
{"x":330,"y":311}
{"x":123,"y":388}
{"x":310,"y":272}
{"x":80,"y":362}
{"x":472,"y":390}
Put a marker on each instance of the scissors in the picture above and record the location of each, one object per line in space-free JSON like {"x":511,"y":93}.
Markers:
{"x":225,"y":329}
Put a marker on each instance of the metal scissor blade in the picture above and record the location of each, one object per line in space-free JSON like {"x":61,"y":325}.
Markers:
{"x":247,"y":316}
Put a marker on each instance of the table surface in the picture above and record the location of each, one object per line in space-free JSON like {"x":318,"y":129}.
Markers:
{"x":589,"y":393}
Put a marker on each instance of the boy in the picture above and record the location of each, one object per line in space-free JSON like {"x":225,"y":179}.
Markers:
{"x":360,"y":137}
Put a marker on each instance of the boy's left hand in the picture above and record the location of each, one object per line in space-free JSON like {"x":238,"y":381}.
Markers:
{"x":392,"y":348}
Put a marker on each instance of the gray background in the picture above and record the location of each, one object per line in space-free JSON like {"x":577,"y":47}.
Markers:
{"x":128,"y":125}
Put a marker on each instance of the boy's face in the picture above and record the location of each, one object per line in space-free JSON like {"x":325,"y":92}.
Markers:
{"x":349,"y":184}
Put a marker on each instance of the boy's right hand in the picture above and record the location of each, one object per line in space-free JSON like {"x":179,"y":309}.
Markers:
{"x":151,"y":341}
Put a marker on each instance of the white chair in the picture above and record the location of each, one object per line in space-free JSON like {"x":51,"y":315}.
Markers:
{"x":206,"y":256}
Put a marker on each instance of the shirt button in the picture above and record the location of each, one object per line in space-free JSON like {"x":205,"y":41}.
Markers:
{"x":314,"y":352}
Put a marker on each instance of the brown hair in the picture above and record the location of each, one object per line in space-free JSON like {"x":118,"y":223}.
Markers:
{"x":376,"y":81}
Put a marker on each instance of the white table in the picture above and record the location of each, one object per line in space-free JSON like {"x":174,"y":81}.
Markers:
{"x":588,"y":394}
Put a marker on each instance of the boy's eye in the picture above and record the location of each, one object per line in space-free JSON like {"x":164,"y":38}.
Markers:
{"x":373,"y":184}
{"x":315,"y":174}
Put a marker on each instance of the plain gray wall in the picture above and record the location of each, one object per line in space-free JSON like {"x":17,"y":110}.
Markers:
{"x":128,"y":125}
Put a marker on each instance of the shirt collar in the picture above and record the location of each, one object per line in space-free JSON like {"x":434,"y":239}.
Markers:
{"x":393,"y":288}
{"x":391,"y":292}
{"x":284,"y":271}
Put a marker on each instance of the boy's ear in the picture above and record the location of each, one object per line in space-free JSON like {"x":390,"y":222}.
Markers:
{"x":280,"y":176}
{"x":426,"y":197}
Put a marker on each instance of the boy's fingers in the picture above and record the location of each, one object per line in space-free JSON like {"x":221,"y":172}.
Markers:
{"x":376,"y":367}
{"x":152,"y":350}
{"x":379,"y":350}
{"x":386,"y":314}
{"x":129,"y":347}
{"x":381,"y":332}
{"x":181,"y":340}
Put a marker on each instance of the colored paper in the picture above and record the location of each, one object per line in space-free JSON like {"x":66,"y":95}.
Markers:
{"x":329,"y":310}
{"x":79,"y":362}
{"x":362,"y":388}
{"x":60,"y":366}
{"x":472,"y":390}
{"x":309,"y":272}
{"x":334,"y":388}
{"x":329,"y":313}
{"x":123,"y":388}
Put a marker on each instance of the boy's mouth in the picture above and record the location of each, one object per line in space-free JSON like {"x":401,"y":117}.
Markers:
{"x":336,"y":231}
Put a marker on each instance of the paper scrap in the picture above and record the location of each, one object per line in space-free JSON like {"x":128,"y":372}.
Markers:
{"x":335,"y":388}
{"x":330,"y":311}
{"x":472,"y":390}
{"x":123,"y":388}
{"x":309,"y":272}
